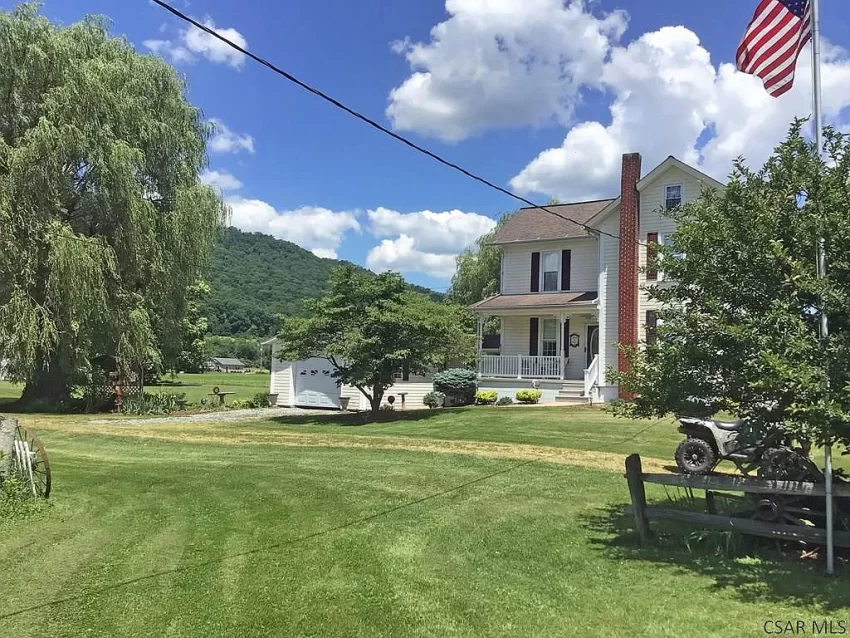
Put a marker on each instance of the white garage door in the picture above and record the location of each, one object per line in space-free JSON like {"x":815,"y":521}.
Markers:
{"x":315,"y":385}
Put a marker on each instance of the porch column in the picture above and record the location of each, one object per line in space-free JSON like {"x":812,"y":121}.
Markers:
{"x":562,"y":320}
{"x":480,"y":343}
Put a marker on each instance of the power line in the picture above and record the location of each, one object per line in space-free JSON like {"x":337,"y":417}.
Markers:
{"x":373,"y":123}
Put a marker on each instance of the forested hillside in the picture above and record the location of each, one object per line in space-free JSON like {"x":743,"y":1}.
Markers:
{"x":254,"y":277}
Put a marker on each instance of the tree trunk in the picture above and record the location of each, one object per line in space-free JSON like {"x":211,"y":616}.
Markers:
{"x":47,"y":383}
{"x":375,"y":401}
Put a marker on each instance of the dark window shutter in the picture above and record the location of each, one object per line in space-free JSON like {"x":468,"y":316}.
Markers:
{"x":651,"y":326}
{"x":565,"y":269}
{"x":566,"y":336}
{"x":651,"y":255}
{"x":533,"y":331}
{"x":535,"y":272}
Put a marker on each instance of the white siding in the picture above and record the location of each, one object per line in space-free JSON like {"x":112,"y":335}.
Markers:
{"x":515,"y":338}
{"x":652,"y":220}
{"x":516,"y":279}
{"x":281,"y":378}
{"x":415,"y":389}
{"x":516,"y":264}
{"x":609,"y":301}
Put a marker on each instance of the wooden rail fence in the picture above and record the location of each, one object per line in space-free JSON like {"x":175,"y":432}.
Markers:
{"x":643,"y":514}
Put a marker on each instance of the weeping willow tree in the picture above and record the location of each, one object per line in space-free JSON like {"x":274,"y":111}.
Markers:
{"x":104,"y":226}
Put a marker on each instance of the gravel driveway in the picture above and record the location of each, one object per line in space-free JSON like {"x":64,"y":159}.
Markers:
{"x":217,"y":417}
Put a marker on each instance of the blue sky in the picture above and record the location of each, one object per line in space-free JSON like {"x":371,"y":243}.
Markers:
{"x":540,"y":96}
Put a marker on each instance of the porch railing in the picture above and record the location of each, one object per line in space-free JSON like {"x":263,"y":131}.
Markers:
{"x":591,"y":376}
{"x":521,"y":367}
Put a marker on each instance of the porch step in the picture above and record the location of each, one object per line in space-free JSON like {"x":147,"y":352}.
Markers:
{"x":571,"y":393}
{"x":572,"y":400}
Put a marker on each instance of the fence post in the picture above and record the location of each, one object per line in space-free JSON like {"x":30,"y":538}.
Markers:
{"x":634,"y":476}
{"x":710,"y":505}
{"x":8,"y":427}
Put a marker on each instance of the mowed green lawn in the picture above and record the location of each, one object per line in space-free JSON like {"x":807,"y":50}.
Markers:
{"x":194,"y":386}
{"x":287,"y":528}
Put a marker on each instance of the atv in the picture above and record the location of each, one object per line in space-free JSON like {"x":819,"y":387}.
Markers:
{"x":771,"y":454}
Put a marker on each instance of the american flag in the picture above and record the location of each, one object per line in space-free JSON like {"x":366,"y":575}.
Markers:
{"x":774,"y":39}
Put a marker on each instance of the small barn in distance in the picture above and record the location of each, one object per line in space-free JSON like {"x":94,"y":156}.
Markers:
{"x":226,"y":364}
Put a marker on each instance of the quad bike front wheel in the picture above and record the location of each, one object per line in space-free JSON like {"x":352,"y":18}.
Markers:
{"x":695,"y":456}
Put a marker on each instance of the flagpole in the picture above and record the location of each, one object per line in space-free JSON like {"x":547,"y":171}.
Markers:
{"x":821,"y":257}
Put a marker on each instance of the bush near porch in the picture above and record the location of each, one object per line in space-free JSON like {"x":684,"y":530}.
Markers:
{"x":458,"y":384}
{"x":486,"y":397}
{"x":529,"y":396}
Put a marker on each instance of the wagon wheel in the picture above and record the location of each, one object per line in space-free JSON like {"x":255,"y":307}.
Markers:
{"x":785,"y":464}
{"x":30,"y":462}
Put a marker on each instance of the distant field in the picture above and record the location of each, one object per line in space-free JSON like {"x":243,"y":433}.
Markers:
{"x":198,"y":386}
{"x":9,"y":391}
{"x":195,"y":386}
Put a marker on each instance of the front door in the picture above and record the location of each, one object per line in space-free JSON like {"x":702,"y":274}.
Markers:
{"x":592,"y":344}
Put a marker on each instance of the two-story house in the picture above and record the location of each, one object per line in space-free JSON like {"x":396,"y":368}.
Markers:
{"x":572,"y":285}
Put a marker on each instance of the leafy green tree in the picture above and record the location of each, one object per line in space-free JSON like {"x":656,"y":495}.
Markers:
{"x":743,"y":302}
{"x":105,"y":225}
{"x":478,"y":270}
{"x":192,"y":356}
{"x":369,"y":327}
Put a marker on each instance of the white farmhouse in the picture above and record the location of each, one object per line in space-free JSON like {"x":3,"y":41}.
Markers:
{"x":571,"y":292}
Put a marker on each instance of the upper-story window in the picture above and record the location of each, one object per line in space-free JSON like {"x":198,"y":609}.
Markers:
{"x":551,"y":275}
{"x":672,"y":196}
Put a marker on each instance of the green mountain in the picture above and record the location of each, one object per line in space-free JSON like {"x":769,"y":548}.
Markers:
{"x":254,"y":277}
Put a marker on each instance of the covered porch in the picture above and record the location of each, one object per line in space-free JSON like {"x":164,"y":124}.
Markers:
{"x":541,"y":336}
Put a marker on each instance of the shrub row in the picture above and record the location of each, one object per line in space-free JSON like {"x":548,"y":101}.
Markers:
{"x":460,"y":387}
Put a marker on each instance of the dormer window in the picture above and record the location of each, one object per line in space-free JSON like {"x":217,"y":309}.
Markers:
{"x":551,"y":274}
{"x":672,"y":196}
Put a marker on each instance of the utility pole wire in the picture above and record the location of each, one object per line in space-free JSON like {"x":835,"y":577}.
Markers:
{"x":373,"y":123}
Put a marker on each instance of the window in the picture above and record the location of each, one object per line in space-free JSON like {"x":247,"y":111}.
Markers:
{"x":651,"y":326}
{"x":549,"y":340}
{"x":672,"y":196}
{"x":652,"y":242}
{"x":550,"y":271}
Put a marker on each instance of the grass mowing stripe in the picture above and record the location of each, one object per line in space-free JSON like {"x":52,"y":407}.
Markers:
{"x":268,"y":548}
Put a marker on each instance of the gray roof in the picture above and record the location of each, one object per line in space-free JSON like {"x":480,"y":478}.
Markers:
{"x":226,"y":361}
{"x":536,"y":224}
{"x":535,"y":300}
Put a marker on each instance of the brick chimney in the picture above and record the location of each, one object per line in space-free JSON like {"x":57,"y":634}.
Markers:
{"x":628,"y":285}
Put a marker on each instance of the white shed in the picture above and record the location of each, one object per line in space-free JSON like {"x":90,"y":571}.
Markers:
{"x":310,"y":383}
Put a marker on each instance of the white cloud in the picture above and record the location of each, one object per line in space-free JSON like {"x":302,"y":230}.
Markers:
{"x":225,"y":140}
{"x":423,"y":241}
{"x":192,"y":43}
{"x":317,"y":229}
{"x":669,"y":99}
{"x":221,"y":180}
{"x":501,"y":63}
{"x":401,"y":255}
{"x":445,"y":232}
